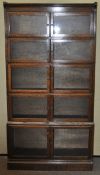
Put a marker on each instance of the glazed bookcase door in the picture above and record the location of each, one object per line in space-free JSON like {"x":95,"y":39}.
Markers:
{"x":72,"y":142}
{"x":24,"y":50}
{"x":27,"y":77}
{"x":72,"y":77}
{"x":72,"y":107}
{"x":27,"y":142}
{"x":73,"y":51}
{"x":28,"y":23}
{"x":28,"y":107}
{"x":72,"y":24}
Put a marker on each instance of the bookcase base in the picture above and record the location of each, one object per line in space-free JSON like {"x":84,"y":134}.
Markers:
{"x":50,"y":165}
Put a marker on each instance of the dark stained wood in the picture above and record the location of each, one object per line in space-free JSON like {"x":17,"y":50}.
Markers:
{"x":65,"y":62}
{"x":6,"y":4}
{"x":50,"y":165}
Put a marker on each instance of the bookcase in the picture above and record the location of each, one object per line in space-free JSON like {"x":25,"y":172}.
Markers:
{"x":50,"y":61}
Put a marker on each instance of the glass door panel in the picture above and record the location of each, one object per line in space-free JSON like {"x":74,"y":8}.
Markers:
{"x":71,"y":77}
{"x":29,"y":78}
{"x":71,"y":24}
{"x":72,"y":107}
{"x":73,"y":51}
{"x":29,"y":106}
{"x":71,"y":142}
{"x":28,"y":23}
{"x":27,"y":142}
{"x":29,"y":50}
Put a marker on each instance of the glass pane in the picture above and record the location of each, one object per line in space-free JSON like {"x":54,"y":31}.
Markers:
{"x":71,"y":24}
{"x":71,"y":78}
{"x":33,"y":107}
{"x":30,"y":50}
{"x":71,"y":107}
{"x":30,"y":142}
{"x":73,"y":50}
{"x":29,"y":78}
{"x":33,"y":24}
{"x":71,"y":142}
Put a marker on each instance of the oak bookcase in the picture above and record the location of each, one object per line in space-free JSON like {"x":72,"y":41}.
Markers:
{"x":50,"y":60}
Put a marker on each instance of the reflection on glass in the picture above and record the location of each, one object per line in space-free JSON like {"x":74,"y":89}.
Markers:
{"x":56,"y":29}
{"x":71,"y":24}
{"x":58,"y":9}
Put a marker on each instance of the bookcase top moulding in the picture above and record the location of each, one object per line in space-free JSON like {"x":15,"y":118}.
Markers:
{"x":50,"y":4}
